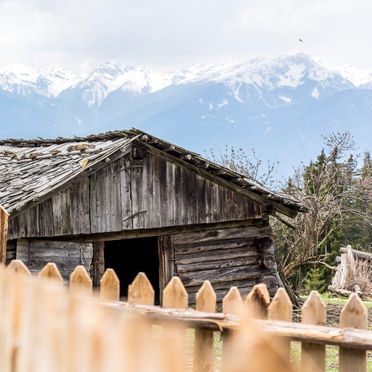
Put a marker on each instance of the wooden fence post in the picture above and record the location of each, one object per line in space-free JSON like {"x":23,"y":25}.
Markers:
{"x":50,"y":271}
{"x":174,"y":336}
{"x":109,"y":286}
{"x":175,"y":295}
{"x":257,"y":301}
{"x":280,"y":308}
{"x":354,"y":314}
{"x":141,"y":291}
{"x":232,"y":303}
{"x":203,"y":356}
{"x":313,"y":311}
{"x":18,"y":267}
{"x":3,"y":234}
{"x":80,"y":281}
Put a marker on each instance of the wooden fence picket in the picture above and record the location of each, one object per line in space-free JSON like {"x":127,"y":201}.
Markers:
{"x":80,"y":281}
{"x":281,"y":308}
{"x":174,"y":335}
{"x":141,"y":291}
{"x":18,"y":267}
{"x":175,"y":295}
{"x":50,"y":271}
{"x":313,"y":311}
{"x":232,"y":303}
{"x":109,"y":286}
{"x":353,"y":315}
{"x":203,"y":356}
{"x":257,"y":301}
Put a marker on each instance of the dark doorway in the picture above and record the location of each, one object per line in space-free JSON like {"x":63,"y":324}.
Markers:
{"x":130,"y":256}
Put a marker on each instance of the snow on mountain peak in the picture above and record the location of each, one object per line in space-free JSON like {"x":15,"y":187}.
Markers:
{"x":23,"y":80}
{"x":261,"y":73}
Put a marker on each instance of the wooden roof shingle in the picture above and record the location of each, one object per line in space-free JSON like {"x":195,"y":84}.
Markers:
{"x":30,"y":169}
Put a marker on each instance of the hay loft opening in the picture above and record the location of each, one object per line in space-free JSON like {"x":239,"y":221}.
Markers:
{"x":130,"y":256}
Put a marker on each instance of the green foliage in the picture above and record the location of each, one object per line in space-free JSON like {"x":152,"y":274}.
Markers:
{"x":315,"y":280}
{"x":338,"y":194}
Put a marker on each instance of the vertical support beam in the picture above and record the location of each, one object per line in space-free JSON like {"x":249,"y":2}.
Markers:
{"x":3,"y":234}
{"x":98,"y":262}
{"x":166,"y":262}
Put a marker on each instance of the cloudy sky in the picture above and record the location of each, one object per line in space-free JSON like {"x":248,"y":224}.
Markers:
{"x":78,"y":34}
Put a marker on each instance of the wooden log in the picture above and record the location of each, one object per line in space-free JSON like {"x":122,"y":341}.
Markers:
{"x":50,"y":271}
{"x":203,"y":355}
{"x":313,"y":312}
{"x":80,"y":281}
{"x":280,"y":308}
{"x":18,"y":267}
{"x":353,"y":315}
{"x":4,"y":216}
{"x":257,"y":301}
{"x":322,"y":335}
{"x":109,"y":286}
{"x":175,"y":295}
{"x":364,"y":255}
{"x":141,"y":291}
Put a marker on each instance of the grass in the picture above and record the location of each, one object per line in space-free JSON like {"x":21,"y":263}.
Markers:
{"x":329,"y":299}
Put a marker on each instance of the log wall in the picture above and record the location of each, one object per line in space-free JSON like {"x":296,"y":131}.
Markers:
{"x":67,"y":255}
{"x":240,"y":257}
{"x":140,"y":190}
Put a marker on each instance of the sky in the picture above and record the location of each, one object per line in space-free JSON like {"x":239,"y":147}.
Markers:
{"x":79,"y":34}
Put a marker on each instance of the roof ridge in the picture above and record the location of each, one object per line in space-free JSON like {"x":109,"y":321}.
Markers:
{"x":104,"y":136}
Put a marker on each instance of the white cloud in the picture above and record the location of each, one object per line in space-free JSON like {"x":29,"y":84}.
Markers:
{"x":167,"y":32}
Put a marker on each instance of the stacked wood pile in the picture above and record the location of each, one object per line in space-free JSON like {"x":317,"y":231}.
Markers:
{"x":46,"y":328}
{"x":354,"y":273}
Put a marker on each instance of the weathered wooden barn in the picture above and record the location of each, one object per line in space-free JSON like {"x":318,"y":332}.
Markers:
{"x":133,"y":202}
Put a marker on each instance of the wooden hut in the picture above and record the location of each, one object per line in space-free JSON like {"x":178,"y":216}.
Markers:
{"x":134,"y":202}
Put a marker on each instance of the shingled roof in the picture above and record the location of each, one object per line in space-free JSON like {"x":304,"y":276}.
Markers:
{"x":31,"y":169}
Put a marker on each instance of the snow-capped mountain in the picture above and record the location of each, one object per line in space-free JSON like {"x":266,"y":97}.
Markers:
{"x":263,"y":103}
{"x":22,"y":80}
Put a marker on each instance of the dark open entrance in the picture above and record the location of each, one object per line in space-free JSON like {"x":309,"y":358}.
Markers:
{"x":130,"y":256}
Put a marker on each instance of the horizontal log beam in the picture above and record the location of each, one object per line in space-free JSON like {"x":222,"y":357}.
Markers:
{"x":345,"y":337}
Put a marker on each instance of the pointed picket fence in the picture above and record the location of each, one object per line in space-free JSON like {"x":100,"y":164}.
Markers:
{"x":273,"y":316}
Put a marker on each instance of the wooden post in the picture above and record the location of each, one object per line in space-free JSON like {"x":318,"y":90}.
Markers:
{"x":175,"y":295}
{"x":50,"y":271}
{"x":80,"y":281}
{"x":203,"y":356}
{"x":3,"y":234}
{"x":141,"y":291}
{"x":353,"y":315}
{"x":174,"y":336}
{"x":232,"y":303}
{"x":280,"y":308}
{"x":98,"y":262}
{"x":18,"y":267}
{"x":313,"y":311}
{"x":257,"y":301}
{"x":109,"y":286}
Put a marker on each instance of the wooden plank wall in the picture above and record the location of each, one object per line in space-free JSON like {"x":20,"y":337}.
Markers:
{"x":133,"y":193}
{"x":67,"y":255}
{"x":226,"y":257}
{"x":10,"y":251}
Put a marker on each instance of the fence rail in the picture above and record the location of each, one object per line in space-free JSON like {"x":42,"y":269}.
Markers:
{"x":95,"y":326}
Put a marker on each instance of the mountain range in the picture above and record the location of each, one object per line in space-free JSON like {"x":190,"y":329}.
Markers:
{"x":280,"y":106}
